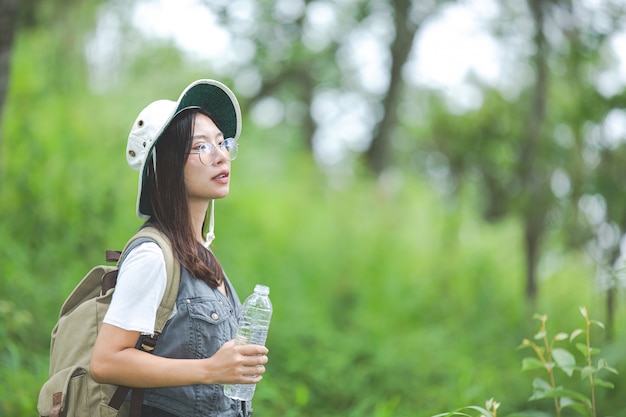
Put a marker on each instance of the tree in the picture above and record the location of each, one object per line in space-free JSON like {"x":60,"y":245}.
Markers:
{"x":513,"y":146}
{"x":8,"y":15}
{"x":534,"y":208}
{"x":307,"y":62}
{"x":379,"y":152}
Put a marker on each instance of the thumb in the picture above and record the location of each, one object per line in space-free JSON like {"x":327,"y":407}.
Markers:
{"x":228,"y":344}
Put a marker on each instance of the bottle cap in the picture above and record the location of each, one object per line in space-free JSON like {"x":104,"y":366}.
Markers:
{"x":262,"y":289}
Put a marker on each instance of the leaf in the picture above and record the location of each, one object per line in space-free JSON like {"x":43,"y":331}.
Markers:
{"x":577,"y":407}
{"x":583,"y":311}
{"x":560,"y":393}
{"x":459,"y":412}
{"x":530,"y":413}
{"x":480,"y":410}
{"x":582,"y":348}
{"x":529,"y":364}
{"x":539,"y":395}
{"x":602,"y":364}
{"x":565,"y":360}
{"x":561,"y":336}
{"x":539,"y":383}
{"x":587,"y":371}
{"x":540,"y":389}
{"x":540,"y":335}
{"x":603,"y":383}
{"x":575,"y":334}
{"x":527,"y":344}
{"x":598,"y":323}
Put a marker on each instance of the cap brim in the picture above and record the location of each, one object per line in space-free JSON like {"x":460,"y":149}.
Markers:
{"x":210,"y":96}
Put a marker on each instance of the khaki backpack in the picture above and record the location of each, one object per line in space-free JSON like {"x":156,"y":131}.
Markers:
{"x":71,"y":391}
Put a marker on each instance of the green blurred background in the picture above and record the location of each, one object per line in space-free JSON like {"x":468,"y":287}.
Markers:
{"x":408,"y":230}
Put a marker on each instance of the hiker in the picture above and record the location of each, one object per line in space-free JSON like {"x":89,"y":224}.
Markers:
{"x":183,"y":151}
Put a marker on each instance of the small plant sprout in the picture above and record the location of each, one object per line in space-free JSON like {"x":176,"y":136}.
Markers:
{"x":548,"y":357}
{"x":492,"y":406}
{"x":589,"y":371}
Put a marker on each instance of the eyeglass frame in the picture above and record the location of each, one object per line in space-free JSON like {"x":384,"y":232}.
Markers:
{"x":212,"y":150}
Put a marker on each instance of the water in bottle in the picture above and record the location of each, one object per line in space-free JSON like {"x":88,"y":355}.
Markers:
{"x":253,"y":326}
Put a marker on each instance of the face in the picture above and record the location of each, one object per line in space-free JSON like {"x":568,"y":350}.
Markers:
{"x":206,"y":182}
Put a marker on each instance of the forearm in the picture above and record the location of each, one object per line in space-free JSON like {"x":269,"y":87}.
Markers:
{"x":134,"y":368}
{"x":116,"y":361}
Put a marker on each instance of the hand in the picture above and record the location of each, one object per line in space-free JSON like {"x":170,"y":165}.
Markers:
{"x":237,"y":364}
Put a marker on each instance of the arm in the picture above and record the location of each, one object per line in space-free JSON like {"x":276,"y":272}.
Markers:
{"x":116,"y":361}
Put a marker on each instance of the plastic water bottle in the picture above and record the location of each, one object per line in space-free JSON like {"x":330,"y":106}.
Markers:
{"x":253,"y":326}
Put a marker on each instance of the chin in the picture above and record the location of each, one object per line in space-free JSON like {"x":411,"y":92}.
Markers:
{"x":220,"y":195}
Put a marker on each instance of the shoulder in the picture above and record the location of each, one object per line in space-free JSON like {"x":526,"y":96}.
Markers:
{"x":148,"y":252}
{"x":140,"y":287}
{"x":144,"y":262}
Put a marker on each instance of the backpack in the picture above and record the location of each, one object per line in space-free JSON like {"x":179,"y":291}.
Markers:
{"x":71,"y":391}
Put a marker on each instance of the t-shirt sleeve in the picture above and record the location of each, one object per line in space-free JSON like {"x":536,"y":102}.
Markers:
{"x":140,"y":287}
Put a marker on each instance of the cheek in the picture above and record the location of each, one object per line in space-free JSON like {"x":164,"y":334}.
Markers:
{"x":190,"y":172}
{"x":195,"y":174}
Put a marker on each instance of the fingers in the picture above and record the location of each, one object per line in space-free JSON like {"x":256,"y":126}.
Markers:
{"x":254,"y":362}
{"x":254,"y":371}
{"x":252,"y":350}
{"x":250,"y":370}
{"x":251,"y":379}
{"x":238,"y":364}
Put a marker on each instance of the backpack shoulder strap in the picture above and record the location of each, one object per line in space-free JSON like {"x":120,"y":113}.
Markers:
{"x":172,"y":270}
{"x":147,"y":344}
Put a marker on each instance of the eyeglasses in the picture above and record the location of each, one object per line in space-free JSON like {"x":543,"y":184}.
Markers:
{"x":208,"y":151}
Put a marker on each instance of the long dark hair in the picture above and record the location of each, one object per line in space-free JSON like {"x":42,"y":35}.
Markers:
{"x":168,"y":197}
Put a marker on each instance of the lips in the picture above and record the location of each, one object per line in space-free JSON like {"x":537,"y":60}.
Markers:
{"x":221,"y":175}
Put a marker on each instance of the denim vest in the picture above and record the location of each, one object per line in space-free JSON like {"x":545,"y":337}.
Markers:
{"x":204,"y":321}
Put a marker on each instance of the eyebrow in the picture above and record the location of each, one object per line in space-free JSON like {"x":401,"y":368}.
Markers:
{"x":205,"y":137}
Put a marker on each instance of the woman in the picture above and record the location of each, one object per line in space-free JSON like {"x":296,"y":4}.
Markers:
{"x":183,"y":150}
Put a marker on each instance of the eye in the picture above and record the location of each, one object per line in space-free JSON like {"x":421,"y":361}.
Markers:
{"x":228,"y":143}
{"x":204,"y":147}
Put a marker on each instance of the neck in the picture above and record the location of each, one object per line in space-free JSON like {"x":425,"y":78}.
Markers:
{"x":197,"y":212}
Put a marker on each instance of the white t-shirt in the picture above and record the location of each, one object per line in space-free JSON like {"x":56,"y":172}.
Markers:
{"x":140,"y":287}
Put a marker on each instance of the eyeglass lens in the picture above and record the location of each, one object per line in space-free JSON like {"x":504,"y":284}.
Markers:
{"x":208,"y":151}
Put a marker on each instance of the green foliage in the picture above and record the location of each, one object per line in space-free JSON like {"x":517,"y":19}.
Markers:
{"x":387,"y":303}
{"x":549,"y":358}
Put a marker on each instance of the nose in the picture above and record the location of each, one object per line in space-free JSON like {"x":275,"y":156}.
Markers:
{"x":221,"y":155}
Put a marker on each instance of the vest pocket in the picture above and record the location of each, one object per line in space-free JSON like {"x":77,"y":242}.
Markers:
{"x":212,"y":325}
{"x":212,"y":312}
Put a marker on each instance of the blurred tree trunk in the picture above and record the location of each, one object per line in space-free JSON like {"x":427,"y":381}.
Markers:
{"x":302,"y":81}
{"x":8,"y":17}
{"x":379,"y":154}
{"x":535,"y":207}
